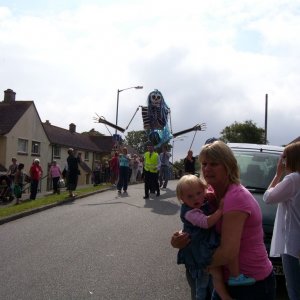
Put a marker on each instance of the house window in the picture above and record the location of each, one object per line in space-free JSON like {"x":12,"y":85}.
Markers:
{"x":35,"y":148}
{"x":56,"y":151}
{"x":97,"y":157}
{"x":22,"y":146}
{"x":86,"y":155}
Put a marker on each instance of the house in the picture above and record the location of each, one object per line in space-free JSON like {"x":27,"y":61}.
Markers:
{"x":21,"y":134}
{"x":24,"y":136}
{"x":93,"y":149}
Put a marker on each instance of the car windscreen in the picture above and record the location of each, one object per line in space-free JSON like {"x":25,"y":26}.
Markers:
{"x":257,"y":169}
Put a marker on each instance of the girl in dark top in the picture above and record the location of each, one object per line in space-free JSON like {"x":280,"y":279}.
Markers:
{"x":18,"y":180}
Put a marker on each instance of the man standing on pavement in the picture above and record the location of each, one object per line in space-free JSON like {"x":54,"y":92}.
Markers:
{"x":151,"y":164}
{"x":73,"y":172}
{"x":164,"y":167}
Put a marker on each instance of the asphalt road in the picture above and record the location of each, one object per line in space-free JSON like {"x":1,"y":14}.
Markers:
{"x":104,"y":246}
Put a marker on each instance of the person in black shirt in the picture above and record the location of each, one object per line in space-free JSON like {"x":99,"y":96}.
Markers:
{"x":73,"y":172}
{"x":189,"y":163}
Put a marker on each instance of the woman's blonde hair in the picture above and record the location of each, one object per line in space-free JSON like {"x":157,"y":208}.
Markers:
{"x":292,"y":153}
{"x":220,"y":153}
{"x":188,"y":180}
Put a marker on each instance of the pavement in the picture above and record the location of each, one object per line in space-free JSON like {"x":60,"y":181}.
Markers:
{"x":42,"y":208}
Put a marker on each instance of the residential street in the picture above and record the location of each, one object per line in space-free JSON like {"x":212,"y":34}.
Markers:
{"x":103,"y":246}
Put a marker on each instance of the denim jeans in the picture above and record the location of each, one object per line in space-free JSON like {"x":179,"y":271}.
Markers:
{"x":291,"y":267}
{"x":201,"y":288}
{"x":261,"y":290}
{"x":164,"y":176}
{"x":123,"y":178}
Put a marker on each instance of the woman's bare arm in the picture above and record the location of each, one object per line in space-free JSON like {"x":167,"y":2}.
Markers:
{"x":232,"y":228}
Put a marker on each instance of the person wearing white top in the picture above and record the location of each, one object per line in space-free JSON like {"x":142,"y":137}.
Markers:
{"x":286,"y":193}
{"x":140,"y":169}
{"x":134,"y":164}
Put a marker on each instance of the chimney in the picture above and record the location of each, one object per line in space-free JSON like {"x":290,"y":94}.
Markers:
{"x":9,"y":96}
{"x":72,"y":128}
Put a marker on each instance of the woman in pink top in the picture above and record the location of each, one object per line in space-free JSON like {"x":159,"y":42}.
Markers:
{"x":240,"y":228}
{"x":55,"y":174}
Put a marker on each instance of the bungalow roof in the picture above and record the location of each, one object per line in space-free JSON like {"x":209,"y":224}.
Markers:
{"x":65,"y":137}
{"x":10,"y":113}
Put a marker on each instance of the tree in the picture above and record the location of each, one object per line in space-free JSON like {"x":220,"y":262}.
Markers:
{"x":246,"y":132}
{"x":137,"y":140}
{"x":93,"y":132}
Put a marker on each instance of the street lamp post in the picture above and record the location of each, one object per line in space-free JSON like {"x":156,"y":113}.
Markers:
{"x":119,"y":91}
{"x":179,"y":138}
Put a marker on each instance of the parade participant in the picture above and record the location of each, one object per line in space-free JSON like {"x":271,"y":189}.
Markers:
{"x":164,"y":170}
{"x":134,"y":162}
{"x":140,"y":174}
{"x":151,"y":164}
{"x":123,"y":171}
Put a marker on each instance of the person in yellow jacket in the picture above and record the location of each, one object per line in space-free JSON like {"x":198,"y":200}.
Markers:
{"x":151,"y":170}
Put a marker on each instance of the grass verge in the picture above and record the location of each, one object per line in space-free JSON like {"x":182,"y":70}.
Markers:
{"x":9,"y":210}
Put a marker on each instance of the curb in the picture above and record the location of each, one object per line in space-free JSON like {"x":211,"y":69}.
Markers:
{"x":42,"y":208}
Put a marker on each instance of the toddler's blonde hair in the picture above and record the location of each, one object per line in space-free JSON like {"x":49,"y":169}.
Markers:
{"x":188,"y":180}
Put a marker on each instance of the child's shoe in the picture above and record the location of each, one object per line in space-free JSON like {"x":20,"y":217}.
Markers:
{"x":240,"y":280}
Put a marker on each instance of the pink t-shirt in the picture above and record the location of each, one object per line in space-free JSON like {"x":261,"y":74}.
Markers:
{"x":55,"y":171}
{"x":253,"y":257}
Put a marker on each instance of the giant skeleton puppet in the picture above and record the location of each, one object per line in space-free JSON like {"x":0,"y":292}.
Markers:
{"x":156,"y":116}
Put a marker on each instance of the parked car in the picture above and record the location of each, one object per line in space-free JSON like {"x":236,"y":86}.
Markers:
{"x":257,"y":164}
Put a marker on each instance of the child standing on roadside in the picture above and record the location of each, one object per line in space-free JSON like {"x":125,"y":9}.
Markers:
{"x":198,"y":220}
{"x":18,"y":183}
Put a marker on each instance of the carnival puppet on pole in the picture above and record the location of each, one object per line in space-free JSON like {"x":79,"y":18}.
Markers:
{"x":156,"y":119}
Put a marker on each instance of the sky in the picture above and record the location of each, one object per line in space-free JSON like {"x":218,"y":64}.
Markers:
{"x":213,"y":61}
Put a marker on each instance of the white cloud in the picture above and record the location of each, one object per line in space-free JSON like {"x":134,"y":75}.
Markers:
{"x":213,"y":61}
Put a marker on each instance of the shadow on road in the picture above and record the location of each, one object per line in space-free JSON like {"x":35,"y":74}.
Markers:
{"x":159,"y":205}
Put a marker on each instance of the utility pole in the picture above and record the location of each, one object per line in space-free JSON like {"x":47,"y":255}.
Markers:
{"x":266,"y":119}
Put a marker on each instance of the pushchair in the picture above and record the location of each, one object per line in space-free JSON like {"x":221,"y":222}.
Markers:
{"x":6,"y":192}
